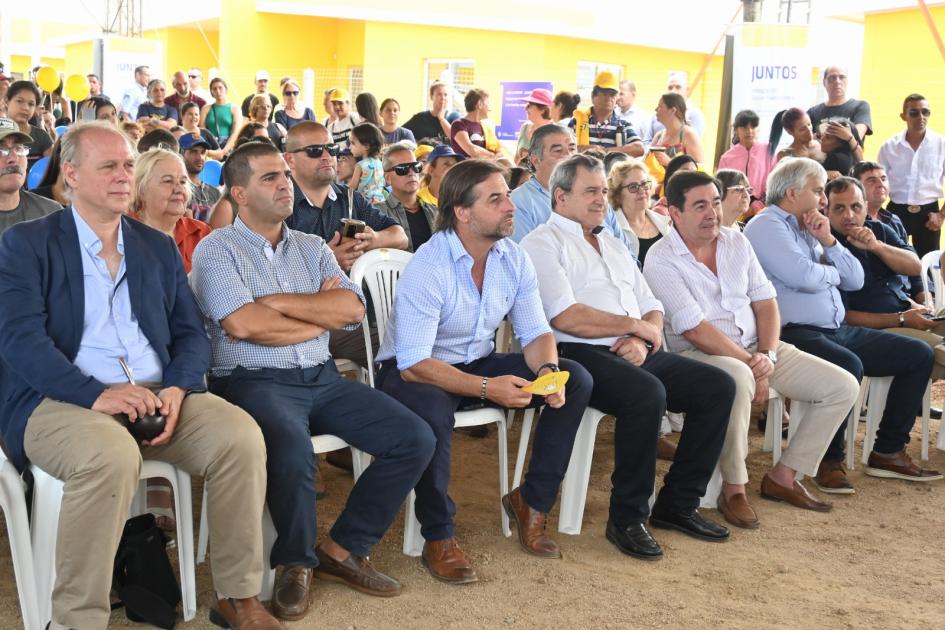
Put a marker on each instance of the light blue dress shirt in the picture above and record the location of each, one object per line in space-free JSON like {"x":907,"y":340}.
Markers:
{"x":807,"y":276}
{"x":110,"y":329}
{"x":533,"y":207}
{"x":439,"y":313}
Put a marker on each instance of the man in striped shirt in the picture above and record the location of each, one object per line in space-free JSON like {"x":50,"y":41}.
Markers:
{"x":600,"y":127}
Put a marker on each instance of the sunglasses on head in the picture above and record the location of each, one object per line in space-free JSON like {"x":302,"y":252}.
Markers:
{"x":291,"y":93}
{"x":403,"y":169}
{"x":915,"y":111}
{"x":316,"y":150}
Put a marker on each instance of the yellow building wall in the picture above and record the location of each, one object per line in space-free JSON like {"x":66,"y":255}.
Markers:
{"x":891,"y":71}
{"x":395,"y":54}
{"x":80,"y":58}
{"x":185,"y":48}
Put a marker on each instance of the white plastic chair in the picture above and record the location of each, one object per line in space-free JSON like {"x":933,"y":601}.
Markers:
{"x":320,"y":444}
{"x":13,"y":504}
{"x":875,"y":390}
{"x":47,"y":499}
{"x":379,"y":270}
{"x":931,"y":262}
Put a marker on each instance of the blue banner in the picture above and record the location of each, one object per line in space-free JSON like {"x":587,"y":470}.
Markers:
{"x":513,"y":106}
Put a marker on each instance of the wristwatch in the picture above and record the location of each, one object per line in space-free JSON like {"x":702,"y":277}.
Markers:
{"x":772,"y":356}
{"x":551,"y":366}
{"x":902,"y":318}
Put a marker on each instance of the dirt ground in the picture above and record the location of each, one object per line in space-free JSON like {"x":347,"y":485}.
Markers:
{"x":876,"y":561}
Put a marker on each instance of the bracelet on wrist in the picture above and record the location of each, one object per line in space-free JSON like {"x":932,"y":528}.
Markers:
{"x":482,"y":388}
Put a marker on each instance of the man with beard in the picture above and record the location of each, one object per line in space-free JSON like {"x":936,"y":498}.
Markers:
{"x":202,"y":195}
{"x":16,"y":204}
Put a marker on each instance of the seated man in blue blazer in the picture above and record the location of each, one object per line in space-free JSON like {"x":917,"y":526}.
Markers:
{"x":80,"y":290}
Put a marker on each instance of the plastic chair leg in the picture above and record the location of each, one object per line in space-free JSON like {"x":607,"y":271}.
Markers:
{"x":574,"y":488}
{"x":854,"y":421}
{"x":269,"y":539}
{"x":527,"y":421}
{"x":503,"y":437}
{"x":878,"y":394}
{"x":413,"y":540}
{"x":13,"y":503}
{"x":926,"y":417}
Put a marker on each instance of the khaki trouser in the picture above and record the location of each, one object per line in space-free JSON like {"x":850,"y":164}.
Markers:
{"x":830,"y":391}
{"x":934,"y":339}
{"x":99,"y":462}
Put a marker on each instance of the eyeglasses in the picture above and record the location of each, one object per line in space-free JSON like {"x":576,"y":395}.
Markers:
{"x":192,"y":76}
{"x":635,"y":187}
{"x":403,"y":169}
{"x":746,"y":190}
{"x":316,"y":150}
{"x":292,"y":93}
{"x":914,"y":112}
{"x":20,"y":150}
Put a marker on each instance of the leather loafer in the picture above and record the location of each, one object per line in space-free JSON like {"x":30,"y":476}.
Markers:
{"x":290,"y":598}
{"x":446,"y":562}
{"x":242,"y":614}
{"x":798,"y":496}
{"x":737,"y":512}
{"x":898,"y":466}
{"x":665,"y":449}
{"x":634,"y":540}
{"x":356,"y":572}
{"x":832,"y":478}
{"x":689,"y":522}
{"x":531,"y":526}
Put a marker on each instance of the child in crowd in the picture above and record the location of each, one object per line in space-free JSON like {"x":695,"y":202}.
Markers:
{"x":366,"y":141}
{"x":346,"y":166}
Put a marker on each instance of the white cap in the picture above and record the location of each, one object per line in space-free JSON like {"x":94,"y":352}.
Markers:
{"x":262,"y":75}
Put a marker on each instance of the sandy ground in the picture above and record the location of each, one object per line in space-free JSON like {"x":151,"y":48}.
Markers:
{"x":876,"y":561}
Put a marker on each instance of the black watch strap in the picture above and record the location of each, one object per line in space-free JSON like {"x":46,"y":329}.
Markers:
{"x":551,"y":366}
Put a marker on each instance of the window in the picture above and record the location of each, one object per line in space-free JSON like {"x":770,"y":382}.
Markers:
{"x":460,"y":72}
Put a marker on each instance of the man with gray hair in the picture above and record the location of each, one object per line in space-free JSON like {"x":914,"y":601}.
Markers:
{"x":605,"y":318}
{"x":810,"y":268}
{"x":549,"y":145}
{"x":17,"y":204}
{"x":402,"y":173}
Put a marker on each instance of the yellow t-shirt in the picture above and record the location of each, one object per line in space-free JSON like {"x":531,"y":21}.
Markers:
{"x":426,"y":196}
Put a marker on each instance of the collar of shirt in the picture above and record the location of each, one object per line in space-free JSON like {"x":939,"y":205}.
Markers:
{"x":258,"y":241}
{"x":785,"y":216}
{"x":93,"y":244}
{"x":300,"y":195}
{"x":458,"y":250}
{"x":613,"y":120}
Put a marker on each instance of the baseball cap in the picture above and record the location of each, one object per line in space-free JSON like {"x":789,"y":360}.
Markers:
{"x":540,"y":96}
{"x":9,"y":128}
{"x":262,"y":75}
{"x":191,"y":140}
{"x":606,"y":80}
{"x":345,"y":152}
{"x":339,"y":94}
{"x":422,"y":152}
{"x":443,"y":150}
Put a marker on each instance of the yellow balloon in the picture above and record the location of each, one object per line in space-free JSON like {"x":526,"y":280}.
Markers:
{"x":77,"y":87}
{"x":47,"y":78}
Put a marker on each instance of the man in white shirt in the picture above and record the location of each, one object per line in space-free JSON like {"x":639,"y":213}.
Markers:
{"x":631,"y":112}
{"x":721,"y":310}
{"x":605,"y":317}
{"x":136,"y":94}
{"x":915,"y":164}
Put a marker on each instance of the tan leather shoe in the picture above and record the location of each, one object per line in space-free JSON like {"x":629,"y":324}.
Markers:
{"x":798,"y":496}
{"x":898,"y":466}
{"x":290,"y":598}
{"x":356,"y":572}
{"x":447,"y":563}
{"x":665,"y":449}
{"x":243,"y":614}
{"x":832,"y":478}
{"x":737,"y":511}
{"x":531,"y":526}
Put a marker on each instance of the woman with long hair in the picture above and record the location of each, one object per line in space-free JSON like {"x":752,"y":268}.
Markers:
{"x":747,"y":155}
{"x":677,"y":138}
{"x":366,"y":106}
{"x":390,"y":111}
{"x":796,"y":122}
{"x":562,"y":108}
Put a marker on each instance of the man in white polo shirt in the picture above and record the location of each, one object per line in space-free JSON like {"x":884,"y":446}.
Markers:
{"x":721,"y":310}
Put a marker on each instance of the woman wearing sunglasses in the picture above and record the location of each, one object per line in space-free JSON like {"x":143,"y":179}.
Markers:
{"x":402,"y":173}
{"x":292,"y":112}
{"x":629,"y":185}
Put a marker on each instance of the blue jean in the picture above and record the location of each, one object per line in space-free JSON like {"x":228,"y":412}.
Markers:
{"x":290,"y":406}
{"x":551,"y":448}
{"x":867,"y":352}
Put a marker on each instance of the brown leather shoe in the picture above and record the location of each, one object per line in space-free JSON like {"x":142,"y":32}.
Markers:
{"x":340,"y":459}
{"x":243,"y":614}
{"x":898,"y":466}
{"x":290,"y":598}
{"x":737,"y":511}
{"x":356,"y":572}
{"x":832,"y":478}
{"x":531,"y":526}
{"x":665,"y":449}
{"x":447,"y":563}
{"x":798,"y":496}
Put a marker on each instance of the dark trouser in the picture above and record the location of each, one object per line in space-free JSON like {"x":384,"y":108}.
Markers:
{"x":864,"y":351}
{"x":551,"y":449}
{"x":349,"y":344}
{"x":638,"y":397}
{"x":292,"y":405}
{"x":923,"y":239}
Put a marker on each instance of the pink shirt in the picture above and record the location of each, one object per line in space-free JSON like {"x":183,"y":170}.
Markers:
{"x":754,"y":163}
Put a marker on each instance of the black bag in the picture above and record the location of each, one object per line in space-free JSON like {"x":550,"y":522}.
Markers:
{"x":143,"y":578}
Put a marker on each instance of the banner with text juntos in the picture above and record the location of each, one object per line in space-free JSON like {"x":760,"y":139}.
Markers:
{"x":772,"y":70}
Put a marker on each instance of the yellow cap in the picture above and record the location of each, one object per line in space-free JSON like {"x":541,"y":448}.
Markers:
{"x":607,"y":81}
{"x":423,"y":151}
{"x":339,"y":94}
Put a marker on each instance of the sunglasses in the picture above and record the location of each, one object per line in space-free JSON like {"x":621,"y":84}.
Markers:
{"x":316,"y":150}
{"x":292,"y":93}
{"x":634,"y":187}
{"x":748,"y":190}
{"x":403,"y":169}
{"x":914,"y":112}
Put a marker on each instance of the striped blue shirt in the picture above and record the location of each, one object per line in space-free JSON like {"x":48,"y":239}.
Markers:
{"x":439,"y":313}
{"x":234,"y":265}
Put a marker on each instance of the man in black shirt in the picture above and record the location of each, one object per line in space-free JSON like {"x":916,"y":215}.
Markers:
{"x":433,"y":123}
{"x":262,"y":87}
{"x":402,"y":172}
{"x":838,"y":105}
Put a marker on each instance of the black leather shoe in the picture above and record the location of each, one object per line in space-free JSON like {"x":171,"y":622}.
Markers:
{"x":935,"y":413}
{"x":634,"y":540}
{"x":688,"y":522}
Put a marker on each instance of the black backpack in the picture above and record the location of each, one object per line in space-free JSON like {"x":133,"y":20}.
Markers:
{"x":143,"y":578}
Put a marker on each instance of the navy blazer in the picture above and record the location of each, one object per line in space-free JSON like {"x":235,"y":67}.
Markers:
{"x":42,"y":301}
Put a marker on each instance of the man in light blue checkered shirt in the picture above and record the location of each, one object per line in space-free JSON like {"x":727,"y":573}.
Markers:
{"x":269,"y":295}
{"x":438,"y":353}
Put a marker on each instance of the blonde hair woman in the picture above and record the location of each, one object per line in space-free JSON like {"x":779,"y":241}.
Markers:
{"x":629,"y":185}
